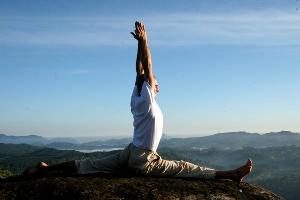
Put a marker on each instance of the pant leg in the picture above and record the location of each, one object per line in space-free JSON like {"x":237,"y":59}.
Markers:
{"x":110,"y":164}
{"x":173,"y":168}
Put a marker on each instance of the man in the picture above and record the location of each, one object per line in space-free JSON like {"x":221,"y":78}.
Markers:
{"x":140,"y":156}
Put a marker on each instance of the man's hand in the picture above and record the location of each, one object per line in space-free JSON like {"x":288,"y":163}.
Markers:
{"x":140,"y":32}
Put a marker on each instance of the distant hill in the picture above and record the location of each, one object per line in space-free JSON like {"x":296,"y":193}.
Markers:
{"x":34,"y":140}
{"x":29,"y":139}
{"x":16,"y":149}
{"x":236,"y":140}
{"x":222,"y":141}
{"x":230,"y":140}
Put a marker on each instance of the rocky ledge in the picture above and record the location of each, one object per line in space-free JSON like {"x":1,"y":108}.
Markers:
{"x":111,"y":187}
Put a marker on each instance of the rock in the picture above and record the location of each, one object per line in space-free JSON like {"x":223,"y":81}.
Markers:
{"x":139,"y":188}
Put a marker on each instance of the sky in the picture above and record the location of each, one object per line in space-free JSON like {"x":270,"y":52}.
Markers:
{"x":67,"y":68}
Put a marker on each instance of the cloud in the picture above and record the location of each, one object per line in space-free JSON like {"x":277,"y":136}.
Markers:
{"x":252,"y":28}
{"x":171,"y":29}
{"x":76,"y":71}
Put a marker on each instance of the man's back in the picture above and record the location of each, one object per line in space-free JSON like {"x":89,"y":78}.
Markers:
{"x":148,"y":118}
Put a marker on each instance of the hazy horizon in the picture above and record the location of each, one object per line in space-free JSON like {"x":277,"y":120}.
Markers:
{"x":130,"y":135}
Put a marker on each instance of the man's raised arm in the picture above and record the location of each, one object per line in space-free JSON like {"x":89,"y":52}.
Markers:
{"x":139,"y":57}
{"x":141,"y":35}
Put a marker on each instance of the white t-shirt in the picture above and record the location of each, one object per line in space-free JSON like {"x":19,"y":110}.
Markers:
{"x":147,"y":118}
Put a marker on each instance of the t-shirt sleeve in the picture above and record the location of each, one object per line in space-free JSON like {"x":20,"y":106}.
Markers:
{"x":147,"y":92}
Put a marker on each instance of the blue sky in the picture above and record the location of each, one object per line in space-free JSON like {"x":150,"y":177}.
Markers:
{"x":67,"y":68}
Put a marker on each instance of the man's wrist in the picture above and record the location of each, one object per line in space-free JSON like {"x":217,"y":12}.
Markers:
{"x":143,"y":40}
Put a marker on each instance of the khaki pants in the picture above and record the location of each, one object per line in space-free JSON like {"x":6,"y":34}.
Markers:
{"x":143,"y":162}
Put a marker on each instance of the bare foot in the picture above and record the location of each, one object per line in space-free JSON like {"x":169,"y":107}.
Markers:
{"x":42,"y":165}
{"x":239,"y":173}
{"x":36,"y":169}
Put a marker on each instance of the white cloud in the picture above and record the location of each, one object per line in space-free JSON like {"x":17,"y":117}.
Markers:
{"x":78,"y":72}
{"x":269,"y":28}
{"x":62,"y":71}
{"x":259,"y":29}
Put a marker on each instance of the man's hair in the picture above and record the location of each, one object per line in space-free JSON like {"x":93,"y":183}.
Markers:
{"x":139,"y":83}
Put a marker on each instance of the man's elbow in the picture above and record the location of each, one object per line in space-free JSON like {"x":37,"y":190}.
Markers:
{"x":148,"y":64}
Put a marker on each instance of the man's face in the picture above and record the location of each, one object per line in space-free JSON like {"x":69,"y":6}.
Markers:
{"x":156,"y":87}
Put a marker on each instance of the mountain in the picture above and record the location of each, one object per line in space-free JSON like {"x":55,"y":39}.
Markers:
{"x":34,"y":140}
{"x":282,"y":133}
{"x":236,"y":140}
{"x":29,"y":139}
{"x":222,"y":141}
{"x":63,"y":140}
{"x":139,"y":188}
{"x":16,"y":149}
